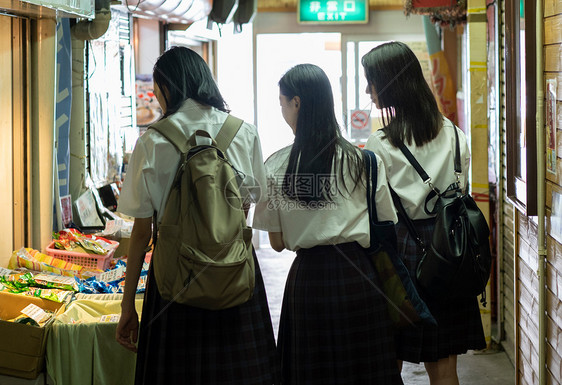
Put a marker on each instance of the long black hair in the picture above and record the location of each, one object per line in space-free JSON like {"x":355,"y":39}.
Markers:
{"x":317,"y":138}
{"x":185,"y":75}
{"x":410,"y":111}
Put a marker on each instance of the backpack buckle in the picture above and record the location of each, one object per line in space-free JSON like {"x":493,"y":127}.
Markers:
{"x":428,"y":182}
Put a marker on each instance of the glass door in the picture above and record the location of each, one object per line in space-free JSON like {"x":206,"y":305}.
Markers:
{"x":361,"y":116}
{"x":277,"y":53}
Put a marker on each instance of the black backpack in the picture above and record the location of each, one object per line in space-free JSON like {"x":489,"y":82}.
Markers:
{"x":457,"y":260}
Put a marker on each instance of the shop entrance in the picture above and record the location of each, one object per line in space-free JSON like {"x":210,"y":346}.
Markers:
{"x":277,"y":53}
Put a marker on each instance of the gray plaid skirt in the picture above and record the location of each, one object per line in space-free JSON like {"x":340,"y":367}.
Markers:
{"x":180,"y":344}
{"x":334,"y":326}
{"x":459,"y":324}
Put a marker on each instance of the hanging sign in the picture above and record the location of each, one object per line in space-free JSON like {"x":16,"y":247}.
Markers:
{"x":359,"y":119}
{"x":333,"y":11}
{"x":360,"y":123}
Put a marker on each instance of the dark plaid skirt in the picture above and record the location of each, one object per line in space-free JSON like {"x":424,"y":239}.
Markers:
{"x":459,"y":324}
{"x":180,"y":344}
{"x":334,"y":326}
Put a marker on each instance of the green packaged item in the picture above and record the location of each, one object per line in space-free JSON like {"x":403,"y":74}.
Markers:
{"x":54,"y":281}
{"x":16,"y":283}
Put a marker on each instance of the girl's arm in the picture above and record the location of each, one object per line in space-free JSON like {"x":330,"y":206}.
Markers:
{"x":276,"y":241}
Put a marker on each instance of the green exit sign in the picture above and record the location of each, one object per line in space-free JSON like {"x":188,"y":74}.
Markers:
{"x":333,"y":11}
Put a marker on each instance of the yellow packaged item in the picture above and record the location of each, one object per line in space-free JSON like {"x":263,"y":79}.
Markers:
{"x":37,"y":261}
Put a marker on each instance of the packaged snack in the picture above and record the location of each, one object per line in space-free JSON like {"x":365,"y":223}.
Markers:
{"x":112,"y":281}
{"x":55,"y":281}
{"x":34,"y":260}
{"x":16,"y":283}
{"x":56,"y":295}
{"x":93,"y":286}
{"x":26,"y":284}
{"x":73,"y":240}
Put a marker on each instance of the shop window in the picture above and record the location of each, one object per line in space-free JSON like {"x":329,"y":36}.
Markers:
{"x":521,"y":105}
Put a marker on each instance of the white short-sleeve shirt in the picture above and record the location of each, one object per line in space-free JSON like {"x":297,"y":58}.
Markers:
{"x":436,"y":158}
{"x":154,"y":161}
{"x":345,"y":219}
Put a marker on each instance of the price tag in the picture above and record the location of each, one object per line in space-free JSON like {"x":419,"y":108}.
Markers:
{"x":112,"y":275}
{"x":110,"y":318}
{"x":34,"y":312}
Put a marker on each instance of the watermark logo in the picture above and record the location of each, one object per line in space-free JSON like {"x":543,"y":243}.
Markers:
{"x":305,"y":187}
{"x":242,"y":191}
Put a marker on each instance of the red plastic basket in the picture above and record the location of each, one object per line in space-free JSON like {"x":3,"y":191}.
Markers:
{"x":92,"y":261}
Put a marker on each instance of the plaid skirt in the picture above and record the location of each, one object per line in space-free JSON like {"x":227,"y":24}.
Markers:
{"x":459,"y":324}
{"x":180,"y":344}
{"x":334,"y":326}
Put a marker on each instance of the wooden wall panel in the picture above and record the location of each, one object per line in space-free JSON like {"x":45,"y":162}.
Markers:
{"x":554,"y":309}
{"x":527,"y":248}
{"x":552,"y":7}
{"x":528,"y":301}
{"x":553,"y":30}
{"x":528,"y":357}
{"x":554,"y":252}
{"x":553,"y":70}
{"x":552,"y":55}
{"x":554,"y":347}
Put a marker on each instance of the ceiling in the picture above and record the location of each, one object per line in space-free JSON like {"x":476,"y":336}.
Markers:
{"x":291,"y":5}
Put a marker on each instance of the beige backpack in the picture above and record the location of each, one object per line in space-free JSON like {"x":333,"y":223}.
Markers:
{"x":203,"y":255}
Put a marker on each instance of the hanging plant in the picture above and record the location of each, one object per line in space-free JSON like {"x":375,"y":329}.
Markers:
{"x":444,"y":13}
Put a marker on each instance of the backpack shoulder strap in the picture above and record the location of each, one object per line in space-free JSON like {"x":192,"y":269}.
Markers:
{"x":413,"y":161}
{"x":407,"y":220}
{"x":228,"y":131}
{"x":173,"y":133}
{"x":458,"y":168}
{"x":371,"y":186}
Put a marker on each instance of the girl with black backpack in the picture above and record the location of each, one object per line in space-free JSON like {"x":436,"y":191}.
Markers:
{"x":411,"y":116}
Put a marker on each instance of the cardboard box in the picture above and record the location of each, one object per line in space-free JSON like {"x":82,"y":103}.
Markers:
{"x":22,"y":347}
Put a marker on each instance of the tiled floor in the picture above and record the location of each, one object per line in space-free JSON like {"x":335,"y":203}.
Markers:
{"x":474,"y":368}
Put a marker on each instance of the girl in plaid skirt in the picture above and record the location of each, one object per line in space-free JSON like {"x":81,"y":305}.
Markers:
{"x":179,"y":344}
{"x":334,"y":326}
{"x":411,"y":116}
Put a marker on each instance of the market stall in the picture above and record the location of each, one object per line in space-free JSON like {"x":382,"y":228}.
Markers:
{"x":59,"y":311}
